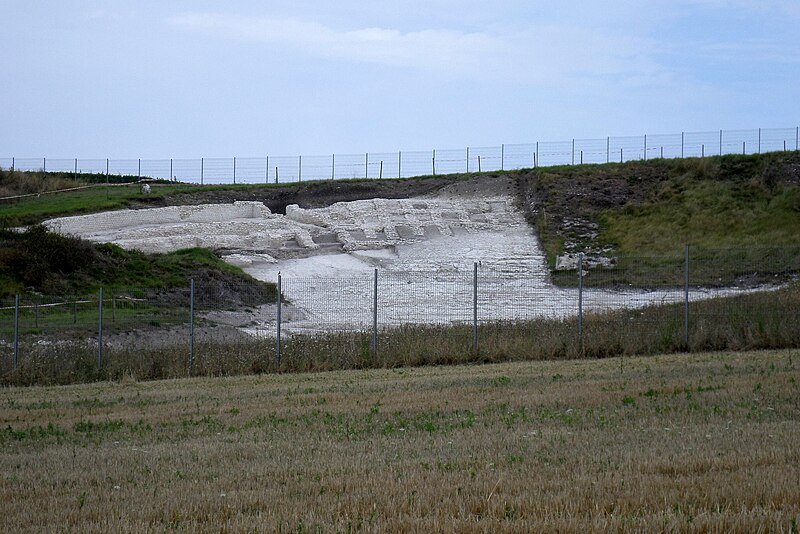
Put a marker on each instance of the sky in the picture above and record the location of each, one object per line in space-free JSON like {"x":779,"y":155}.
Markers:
{"x":184,"y":79}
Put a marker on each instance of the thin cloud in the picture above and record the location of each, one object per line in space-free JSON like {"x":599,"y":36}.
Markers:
{"x":426,"y":49}
{"x":542,"y":54}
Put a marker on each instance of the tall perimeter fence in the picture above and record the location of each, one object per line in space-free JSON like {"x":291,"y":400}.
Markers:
{"x":284,"y":169}
{"x":692,"y":300}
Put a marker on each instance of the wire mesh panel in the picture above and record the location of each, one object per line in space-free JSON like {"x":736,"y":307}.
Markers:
{"x":124,"y":167}
{"x":750,"y":295}
{"x":188,"y":170}
{"x":520,"y":295}
{"x":55,"y":331}
{"x":91,"y":166}
{"x":60,"y":165}
{"x":626,"y":148}
{"x":778,"y":139}
{"x":699,"y":144}
{"x":740,"y":141}
{"x":157,"y":168}
{"x":450,"y":161}
{"x":553,"y":153}
{"x":29,"y":164}
{"x":636,"y":305}
{"x":285,"y":169}
{"x":384,"y":165}
{"x":491,"y":158}
{"x":424,"y":297}
{"x":417,"y":163}
{"x":218,"y":170}
{"x":7,"y":333}
{"x":314,"y":305}
{"x":591,"y":150}
{"x":248,"y":170}
{"x":663,"y":146}
{"x":350,"y":166}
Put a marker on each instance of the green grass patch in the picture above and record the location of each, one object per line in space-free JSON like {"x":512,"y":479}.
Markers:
{"x":739,"y":214}
{"x":45,"y":262}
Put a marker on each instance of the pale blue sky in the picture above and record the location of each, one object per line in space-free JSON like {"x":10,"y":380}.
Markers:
{"x":181,"y":79}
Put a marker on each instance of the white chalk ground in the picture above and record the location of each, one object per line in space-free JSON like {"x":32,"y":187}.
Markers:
{"x":424,"y":249}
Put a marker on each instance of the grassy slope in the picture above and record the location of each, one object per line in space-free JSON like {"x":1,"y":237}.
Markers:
{"x":52,"y":264}
{"x":739,"y":214}
{"x":704,"y":442}
{"x":658,"y":206}
{"x":723,"y":202}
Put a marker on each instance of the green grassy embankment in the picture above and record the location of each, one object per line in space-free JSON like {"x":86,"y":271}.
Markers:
{"x":44,"y":262}
{"x":737,"y":214}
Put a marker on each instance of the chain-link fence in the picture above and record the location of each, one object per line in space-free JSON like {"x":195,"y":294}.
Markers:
{"x":400,"y":164}
{"x":387,"y":317}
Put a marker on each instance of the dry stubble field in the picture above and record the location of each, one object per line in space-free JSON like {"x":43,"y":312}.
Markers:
{"x":700,"y":442}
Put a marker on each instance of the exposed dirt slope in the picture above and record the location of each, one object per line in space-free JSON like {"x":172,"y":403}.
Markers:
{"x":312,"y":194}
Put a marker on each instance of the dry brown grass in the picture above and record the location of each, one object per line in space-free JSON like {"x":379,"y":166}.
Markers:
{"x":701,"y":442}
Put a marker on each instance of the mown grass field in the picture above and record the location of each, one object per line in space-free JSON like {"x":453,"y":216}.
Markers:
{"x":701,"y":442}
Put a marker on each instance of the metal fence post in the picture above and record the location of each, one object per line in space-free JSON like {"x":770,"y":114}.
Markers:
{"x":375,"y":314}
{"x":608,"y":149}
{"x":366,"y":165}
{"x":234,"y":170}
{"x":75,"y":170}
{"x":16,"y":332}
{"x":645,"y":147}
{"x":191,"y":326}
{"x":266,"y":170}
{"x":44,"y":164}
{"x":170,"y":169}
{"x":433,"y":162}
{"x":139,"y":169}
{"x":759,"y":140}
{"x":686,"y":297}
{"x":475,"y":307}
{"x":580,"y":301}
{"x":399,"y":167}
{"x":202,"y":170}
{"x":100,"y":334}
{"x":573,"y":151}
{"x":720,"y":142}
{"x":299,"y":168}
{"x":278,"y":328}
{"x":502,"y":157}
{"x":333,"y":166}
{"x":681,"y":144}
